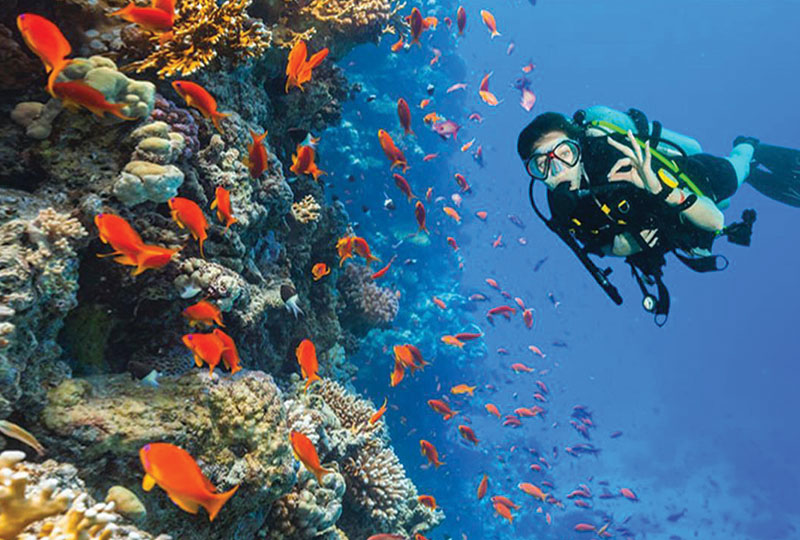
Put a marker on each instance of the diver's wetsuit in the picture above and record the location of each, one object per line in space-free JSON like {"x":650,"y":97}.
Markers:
{"x":714,"y":176}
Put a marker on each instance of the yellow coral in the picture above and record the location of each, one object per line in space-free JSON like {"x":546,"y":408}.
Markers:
{"x":306,"y":210}
{"x":18,"y":511}
{"x":202,"y":31}
{"x":354,"y":15}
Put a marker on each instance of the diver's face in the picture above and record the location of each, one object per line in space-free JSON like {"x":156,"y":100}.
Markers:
{"x":559,"y":171}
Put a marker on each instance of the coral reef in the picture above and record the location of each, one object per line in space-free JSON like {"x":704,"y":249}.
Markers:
{"x":48,"y":500}
{"x":150,"y":175}
{"x":336,"y":421}
{"x":234,"y":426}
{"x":204,"y":30}
{"x":38,"y":285}
{"x":366,"y":305}
{"x":306,"y":210}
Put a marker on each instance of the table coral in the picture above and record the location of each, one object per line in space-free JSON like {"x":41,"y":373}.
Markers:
{"x":203,"y":31}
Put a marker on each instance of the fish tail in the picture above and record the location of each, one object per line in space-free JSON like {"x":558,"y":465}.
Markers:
{"x":316,"y":173}
{"x":236,"y":368}
{"x":124,"y":12}
{"x":215,"y":118}
{"x":116,"y":110}
{"x":217,"y":501}
{"x":203,"y":255}
{"x":165,"y":36}
{"x":229,"y":223}
{"x":495,"y":33}
{"x":320,"y":473}
{"x":54,"y":73}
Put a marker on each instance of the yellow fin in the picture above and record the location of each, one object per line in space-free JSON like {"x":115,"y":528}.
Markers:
{"x":148,"y":482}
{"x":190,"y":506}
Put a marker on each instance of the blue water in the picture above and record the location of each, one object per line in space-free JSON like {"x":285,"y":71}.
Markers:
{"x":707,"y":403}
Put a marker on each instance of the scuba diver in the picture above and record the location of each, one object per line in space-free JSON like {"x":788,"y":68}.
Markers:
{"x":618,"y":184}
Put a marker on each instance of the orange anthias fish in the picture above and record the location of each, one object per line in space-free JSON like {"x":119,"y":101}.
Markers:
{"x":452,"y":213}
{"x":198,"y":97}
{"x":307,"y":358}
{"x":203,"y":313}
{"x":382,"y":272}
{"x":206,"y":348}
{"x":424,"y":103}
{"x":461,"y":19}
{"x":504,"y":511}
{"x":74,"y":94}
{"x":298,"y":69}
{"x":394,"y":154}
{"x":532,"y":490}
{"x":398,"y":373}
{"x":492,"y":409}
{"x":404,"y":114}
{"x":177,"y":473}
{"x":344,"y":247}
{"x":222,"y":202}
{"x":439,"y":302}
{"x":306,"y":454}
{"x":468,"y":434}
{"x":146,"y":258}
{"x":484,"y":92}
{"x":397,"y":45}
{"x":361,"y":247}
{"x":429,"y":451}
{"x":119,"y":234}
{"x":188,"y":215}
{"x":442,"y":408}
{"x":257,"y":159}
{"x":230,"y":354}
{"x":452,"y":341}
{"x":403,"y":185}
{"x":419,"y":24}
{"x":379,"y":413}
{"x":320,"y":270}
{"x":152,"y":19}
{"x":483,"y":486}
{"x":47,"y":42}
{"x":303,"y":162}
{"x":491,"y":24}
{"x":419,"y":214}
{"x":427,"y":500}
{"x":463,"y":389}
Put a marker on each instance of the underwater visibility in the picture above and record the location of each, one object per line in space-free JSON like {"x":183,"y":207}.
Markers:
{"x":399,"y":270}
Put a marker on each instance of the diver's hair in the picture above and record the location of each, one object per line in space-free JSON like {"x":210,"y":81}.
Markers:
{"x":541,"y":125}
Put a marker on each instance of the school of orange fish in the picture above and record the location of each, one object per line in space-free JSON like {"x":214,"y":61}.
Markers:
{"x":171,"y":467}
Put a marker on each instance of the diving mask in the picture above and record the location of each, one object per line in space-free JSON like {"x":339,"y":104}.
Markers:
{"x":541,"y":165}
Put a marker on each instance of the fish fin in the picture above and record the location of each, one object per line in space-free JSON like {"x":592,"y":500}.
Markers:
{"x":116,"y":110}
{"x":198,"y":362}
{"x":190,"y":506}
{"x":56,"y":71}
{"x":320,"y":474}
{"x":148,"y":482}
{"x":214,"y":203}
{"x":215,"y":118}
{"x":201,"y":248}
{"x":217,"y":501}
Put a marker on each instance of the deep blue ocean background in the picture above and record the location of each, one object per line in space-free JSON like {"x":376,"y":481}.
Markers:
{"x":708,"y":403}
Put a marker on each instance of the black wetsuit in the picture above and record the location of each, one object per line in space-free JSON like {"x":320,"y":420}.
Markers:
{"x":633,"y":209}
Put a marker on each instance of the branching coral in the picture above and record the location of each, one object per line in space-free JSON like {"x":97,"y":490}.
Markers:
{"x":373,"y":305}
{"x":350,"y":16}
{"x":353,"y":412}
{"x":203,"y":31}
{"x":306,"y":210}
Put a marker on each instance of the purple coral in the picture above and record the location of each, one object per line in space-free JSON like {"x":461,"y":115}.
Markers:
{"x":180,"y":121}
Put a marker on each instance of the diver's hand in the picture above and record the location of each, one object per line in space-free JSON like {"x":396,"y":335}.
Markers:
{"x":641,"y":173}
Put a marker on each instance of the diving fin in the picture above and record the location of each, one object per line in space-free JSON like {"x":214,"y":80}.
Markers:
{"x":775,"y":172}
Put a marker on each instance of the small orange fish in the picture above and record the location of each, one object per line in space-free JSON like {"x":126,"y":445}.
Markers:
{"x":452,"y":242}
{"x":222,"y":202}
{"x":398,"y":373}
{"x":532,"y":490}
{"x":393,"y":154}
{"x":419,"y":24}
{"x":75,"y":94}
{"x":119,"y":234}
{"x":380,"y":273}
{"x":491,"y":24}
{"x":404,"y":114}
{"x":427,"y":500}
{"x":527,"y":68}
{"x":206,"y":348}
{"x":397,"y":45}
{"x":152,"y":19}
{"x":468,"y":434}
{"x":442,"y":408}
{"x":403,"y":185}
{"x":492,"y":409}
{"x":429,"y":451}
{"x":452,"y":341}
{"x":303,"y":162}
{"x":528,"y":99}
{"x":188,"y":215}
{"x":481,"y":215}
{"x":257,"y":159}
{"x":198,"y":97}
{"x":429,"y":192}
{"x":527,"y":317}
{"x":466,"y":146}
{"x":419,"y":214}
{"x":176,"y":472}
{"x":320,"y":270}
{"x":431,"y":118}
{"x":361,"y":247}
{"x":344,"y":247}
{"x":203,"y":313}
{"x":439,"y":302}
{"x":436,"y":55}
{"x":379,"y":413}
{"x":306,"y":454}
{"x":504,"y":511}
{"x":452,"y":213}
{"x":47,"y":42}
{"x":298,"y":69}
{"x":424,"y":103}
{"x":306,"y":355}
{"x":148,"y":257}
{"x":456,"y":86}
{"x":483,"y":486}
{"x":463,"y":389}
{"x":519,"y":366}
{"x":230,"y":354}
